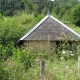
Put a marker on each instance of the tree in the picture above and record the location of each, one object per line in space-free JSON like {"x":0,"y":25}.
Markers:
{"x":75,"y":15}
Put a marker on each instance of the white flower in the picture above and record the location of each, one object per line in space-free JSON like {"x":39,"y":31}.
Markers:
{"x":64,"y":52}
{"x":70,"y":51}
{"x":67,"y":67}
{"x":61,"y":58}
{"x":51,"y":0}
{"x":72,"y":54}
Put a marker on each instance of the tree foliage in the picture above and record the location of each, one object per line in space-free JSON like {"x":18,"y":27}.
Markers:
{"x":4,"y":75}
{"x":9,"y":7}
{"x":75,"y":15}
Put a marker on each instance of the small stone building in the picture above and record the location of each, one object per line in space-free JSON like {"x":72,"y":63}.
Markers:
{"x":48,"y":34}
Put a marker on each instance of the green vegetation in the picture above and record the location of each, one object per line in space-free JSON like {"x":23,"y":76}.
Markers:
{"x":12,"y":28}
{"x":74,"y":27}
{"x":75,"y":14}
{"x":16,"y":18}
{"x":24,"y":64}
{"x":67,"y":10}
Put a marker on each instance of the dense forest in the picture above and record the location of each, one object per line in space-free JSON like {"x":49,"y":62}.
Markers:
{"x":8,"y":7}
{"x":19,"y":63}
{"x":60,"y":7}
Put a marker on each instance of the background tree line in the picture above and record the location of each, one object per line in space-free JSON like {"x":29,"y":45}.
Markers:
{"x":35,"y":5}
{"x":64,"y":9}
{"x":8,"y":7}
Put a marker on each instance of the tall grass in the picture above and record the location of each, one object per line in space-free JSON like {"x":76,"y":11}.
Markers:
{"x":23,"y":64}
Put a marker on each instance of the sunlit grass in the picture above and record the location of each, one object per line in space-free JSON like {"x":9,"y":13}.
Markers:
{"x":75,"y":28}
{"x":57,"y":70}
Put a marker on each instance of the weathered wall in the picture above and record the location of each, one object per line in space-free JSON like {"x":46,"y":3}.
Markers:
{"x":44,"y":46}
{"x":49,"y":47}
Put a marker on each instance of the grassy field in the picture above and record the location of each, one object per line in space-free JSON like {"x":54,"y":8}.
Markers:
{"x":75,"y":28}
{"x":55,"y":69}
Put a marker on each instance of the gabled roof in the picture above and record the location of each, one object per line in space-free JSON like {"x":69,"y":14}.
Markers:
{"x":50,"y":28}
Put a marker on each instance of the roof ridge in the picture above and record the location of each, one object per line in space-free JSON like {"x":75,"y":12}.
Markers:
{"x":35,"y":27}
{"x":41,"y":21}
{"x":66,"y":26}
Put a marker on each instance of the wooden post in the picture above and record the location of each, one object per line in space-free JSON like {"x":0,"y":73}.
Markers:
{"x":42,"y":68}
{"x":78,"y":65}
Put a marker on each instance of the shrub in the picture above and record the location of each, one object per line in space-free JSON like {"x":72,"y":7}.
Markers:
{"x":13,"y":28}
{"x":64,"y":52}
{"x":39,"y":17}
{"x":1,"y":17}
{"x":36,"y":10}
{"x":75,"y":15}
{"x":61,"y":13}
{"x":4,"y":75}
{"x":44,"y":11}
{"x":57,"y":10}
{"x":15,"y":69}
{"x":24,"y":56}
{"x":6,"y":51}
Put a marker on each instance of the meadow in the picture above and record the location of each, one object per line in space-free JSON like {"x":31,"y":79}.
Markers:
{"x":25,"y":65}
{"x":22,"y":64}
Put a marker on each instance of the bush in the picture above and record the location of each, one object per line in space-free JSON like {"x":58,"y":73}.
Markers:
{"x":13,"y":28}
{"x":75,"y":15}
{"x":1,"y":17}
{"x":61,"y":13}
{"x":24,"y":56}
{"x":36,"y":11}
{"x":15,"y":69}
{"x":39,"y":17}
{"x":6,"y":51}
{"x":3,"y":73}
{"x":57,"y":10}
{"x":64,"y":52}
{"x":44,"y":11}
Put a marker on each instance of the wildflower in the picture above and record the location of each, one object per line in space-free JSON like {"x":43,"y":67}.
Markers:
{"x":64,"y":52}
{"x":70,"y":51}
{"x":72,"y":54}
{"x":67,"y":67}
{"x":61,"y":58}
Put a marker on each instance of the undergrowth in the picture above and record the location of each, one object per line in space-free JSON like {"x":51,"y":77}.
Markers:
{"x":24,"y":64}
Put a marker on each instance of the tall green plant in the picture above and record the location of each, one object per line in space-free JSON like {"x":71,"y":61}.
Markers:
{"x":75,"y":14}
{"x":4,"y":75}
{"x":24,"y":56}
{"x":6,"y":51}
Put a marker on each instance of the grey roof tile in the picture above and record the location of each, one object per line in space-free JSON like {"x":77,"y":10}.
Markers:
{"x":50,"y":28}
